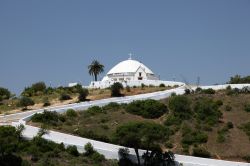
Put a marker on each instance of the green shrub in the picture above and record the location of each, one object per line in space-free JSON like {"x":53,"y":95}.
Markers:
{"x":72,"y":150}
{"x":185,"y":149}
{"x":4,"y":93}
{"x":35,"y":89}
{"x":237,"y":79}
{"x":187,"y":91}
{"x":194,"y":137}
{"x":201,"y":152}
{"x":141,"y":134}
{"x":94,"y":110}
{"x":181,"y":106}
{"x":71,"y":113}
{"x":116,"y":89}
{"x":25,"y":101}
{"x":169,"y":145}
{"x":76,"y":89}
{"x":46,"y":102}
{"x":198,"y":90}
{"x":173,"y":94}
{"x":221,"y":137}
{"x":83,"y":93}
{"x":147,"y":108}
{"x":162,"y":85}
{"x":246,"y":158}
{"x":208,"y":91}
{"x":8,"y":139}
{"x":112,"y":106}
{"x":246,"y":128}
{"x":123,"y":153}
{"x":48,"y":117}
{"x":207,"y":111}
{"x":89,"y":149}
{"x":190,"y":137}
{"x":64,"y":96}
{"x":97,"y":157}
{"x":219,"y":102}
{"x":230,"y":125}
{"x":228,"y":108}
{"x":104,"y":119}
{"x":234,"y":91}
{"x":143,"y":86}
{"x":39,"y":86}
{"x":94,"y":155}
{"x":172,"y":120}
{"x":247,"y":108}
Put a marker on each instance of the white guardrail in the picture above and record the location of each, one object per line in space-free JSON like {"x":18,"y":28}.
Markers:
{"x":110,"y":151}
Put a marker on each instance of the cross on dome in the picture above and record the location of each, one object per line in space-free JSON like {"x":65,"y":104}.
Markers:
{"x":130,"y":56}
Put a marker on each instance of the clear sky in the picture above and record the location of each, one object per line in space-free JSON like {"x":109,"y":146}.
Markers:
{"x":55,"y":40}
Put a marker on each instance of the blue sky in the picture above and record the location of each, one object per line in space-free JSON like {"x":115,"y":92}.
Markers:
{"x":55,"y":40}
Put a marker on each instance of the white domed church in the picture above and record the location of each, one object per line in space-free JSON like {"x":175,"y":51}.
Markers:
{"x":130,"y":70}
{"x":130,"y":73}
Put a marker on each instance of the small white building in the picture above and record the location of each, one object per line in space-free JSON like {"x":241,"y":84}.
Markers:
{"x":131,"y":73}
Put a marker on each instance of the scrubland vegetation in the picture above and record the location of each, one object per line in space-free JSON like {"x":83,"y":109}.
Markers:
{"x":15,"y":151}
{"x":201,"y":123}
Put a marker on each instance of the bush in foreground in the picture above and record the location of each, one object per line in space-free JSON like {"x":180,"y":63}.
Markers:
{"x":141,"y":135}
{"x":72,"y":150}
{"x":93,"y":154}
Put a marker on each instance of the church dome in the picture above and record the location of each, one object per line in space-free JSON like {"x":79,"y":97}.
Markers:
{"x":128,"y":66}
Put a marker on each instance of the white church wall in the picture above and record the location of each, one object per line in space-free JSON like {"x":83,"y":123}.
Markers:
{"x":138,"y":72}
{"x":107,"y":84}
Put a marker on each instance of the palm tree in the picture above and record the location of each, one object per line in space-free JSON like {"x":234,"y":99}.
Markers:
{"x":95,"y":68}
